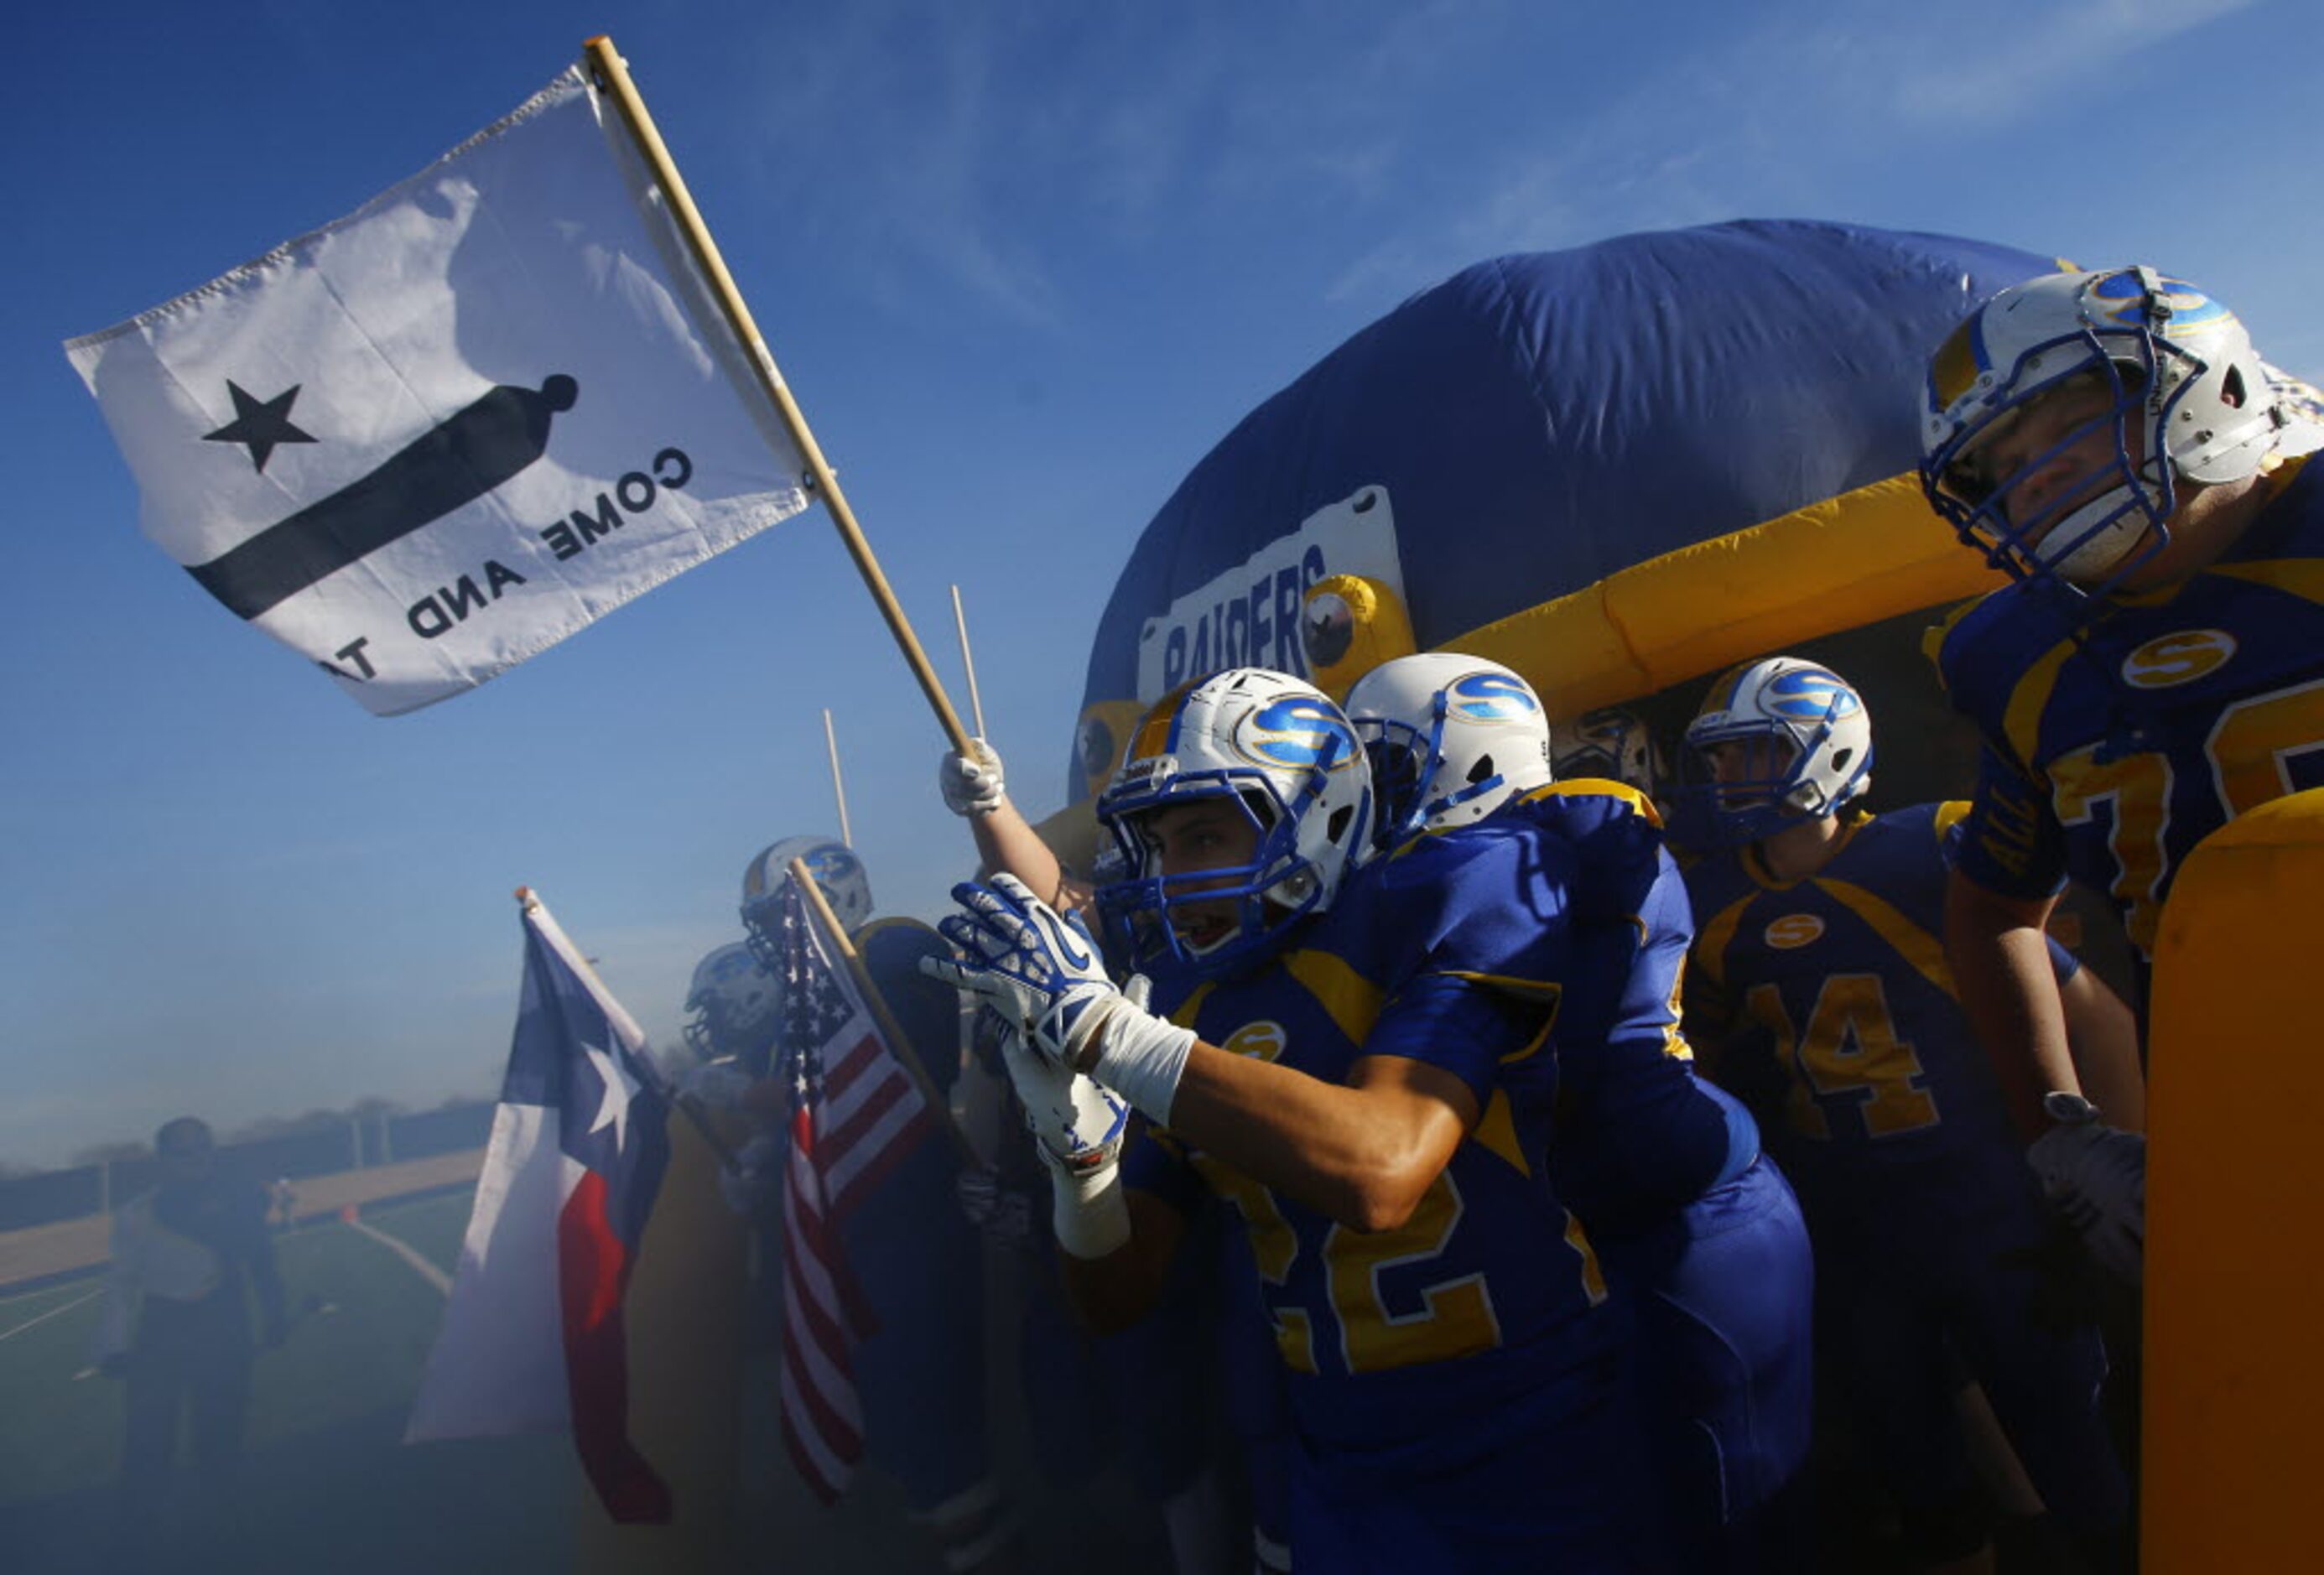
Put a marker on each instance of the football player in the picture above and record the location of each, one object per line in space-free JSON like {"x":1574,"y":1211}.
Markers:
{"x":731,"y":1010}
{"x":1615,"y":744}
{"x":1817,"y":945}
{"x":920,"y":1374}
{"x":1702,"y":1235}
{"x":1361,"y":1063}
{"x":1170,"y":1447}
{"x":2113,"y":442}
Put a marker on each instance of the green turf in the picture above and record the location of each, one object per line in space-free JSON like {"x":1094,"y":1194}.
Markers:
{"x":328,"y":1484}
{"x":435,"y":1226}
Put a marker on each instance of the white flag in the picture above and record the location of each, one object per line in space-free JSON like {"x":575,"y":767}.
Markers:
{"x":429,"y":440}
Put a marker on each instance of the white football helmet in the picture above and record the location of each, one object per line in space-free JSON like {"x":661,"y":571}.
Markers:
{"x":1809,"y":752}
{"x":838,"y":871}
{"x":1451,"y":739}
{"x":1613,"y":742}
{"x":731,"y":1006}
{"x":1277,"y":748}
{"x":2165,"y":372}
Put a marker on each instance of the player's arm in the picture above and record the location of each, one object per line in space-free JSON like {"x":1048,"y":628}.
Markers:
{"x":1115,"y":1239}
{"x":1999,"y":953}
{"x":1364,"y":1153}
{"x":2103,"y":1034}
{"x":2005,"y":871}
{"x":1006,"y":842}
{"x":1118,"y":1288}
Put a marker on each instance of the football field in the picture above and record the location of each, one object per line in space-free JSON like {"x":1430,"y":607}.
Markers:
{"x":326,"y":1483}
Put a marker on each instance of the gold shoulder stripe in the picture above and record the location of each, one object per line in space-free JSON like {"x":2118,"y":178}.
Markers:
{"x":2020,"y":723}
{"x":1543,"y":991}
{"x":1192,"y":1006}
{"x":1933,"y":638}
{"x":1916,"y":945}
{"x":1599,"y":787}
{"x":1712,"y":940}
{"x":1352,"y":1000}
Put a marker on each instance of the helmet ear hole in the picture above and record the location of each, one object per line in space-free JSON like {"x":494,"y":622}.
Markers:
{"x":1840,"y":758}
{"x":1336,"y":827}
{"x":1482,"y":769}
{"x":2231,"y":388}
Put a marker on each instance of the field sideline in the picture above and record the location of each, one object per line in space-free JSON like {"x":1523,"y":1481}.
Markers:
{"x":328,"y":1485}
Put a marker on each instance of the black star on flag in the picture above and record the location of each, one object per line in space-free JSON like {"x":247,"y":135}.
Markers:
{"x":259,"y":424}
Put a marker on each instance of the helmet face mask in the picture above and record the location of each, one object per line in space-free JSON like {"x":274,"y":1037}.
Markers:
{"x":1289,"y":798}
{"x":1614,"y":743}
{"x":1778,"y":742}
{"x":2061,"y":418}
{"x":1450,"y":739}
{"x":837,"y":873}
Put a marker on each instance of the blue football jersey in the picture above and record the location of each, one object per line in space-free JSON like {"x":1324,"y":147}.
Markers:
{"x":1638,"y":1134}
{"x":1421,"y":1336}
{"x":1844,"y":973}
{"x":2116,"y":741}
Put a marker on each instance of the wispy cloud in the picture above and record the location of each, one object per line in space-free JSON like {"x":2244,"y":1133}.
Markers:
{"x":1104,"y":129}
{"x":1758,"y":121}
{"x":906,"y":166}
{"x":1994,"y":69}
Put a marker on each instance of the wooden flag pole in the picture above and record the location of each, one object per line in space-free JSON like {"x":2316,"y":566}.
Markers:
{"x":968,"y":662}
{"x":838,"y":787}
{"x":604,"y":63}
{"x":906,"y":1055}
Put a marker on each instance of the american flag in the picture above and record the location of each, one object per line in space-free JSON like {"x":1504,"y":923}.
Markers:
{"x":855,"y":1112}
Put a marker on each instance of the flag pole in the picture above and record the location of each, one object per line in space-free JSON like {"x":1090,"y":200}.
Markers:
{"x":606,"y":62}
{"x":908,"y":1056}
{"x":527,"y":903}
{"x":838,"y":785}
{"x":968,"y":662}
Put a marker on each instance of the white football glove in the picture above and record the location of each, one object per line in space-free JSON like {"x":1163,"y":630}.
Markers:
{"x":1045,"y":978}
{"x":2095,"y":1176}
{"x":1077,"y":1129}
{"x":971,"y":783}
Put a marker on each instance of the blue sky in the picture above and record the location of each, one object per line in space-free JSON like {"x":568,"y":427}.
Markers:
{"x":1022,"y":265}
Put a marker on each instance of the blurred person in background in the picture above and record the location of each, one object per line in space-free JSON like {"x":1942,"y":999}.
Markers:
{"x":188,"y":1257}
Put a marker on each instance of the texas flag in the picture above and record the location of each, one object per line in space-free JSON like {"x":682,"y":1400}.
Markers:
{"x":532,"y":1339}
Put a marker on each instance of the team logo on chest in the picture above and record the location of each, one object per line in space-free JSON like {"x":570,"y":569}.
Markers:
{"x":2178,"y":658}
{"x":1794,"y":929}
{"x":1263,"y":1040}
